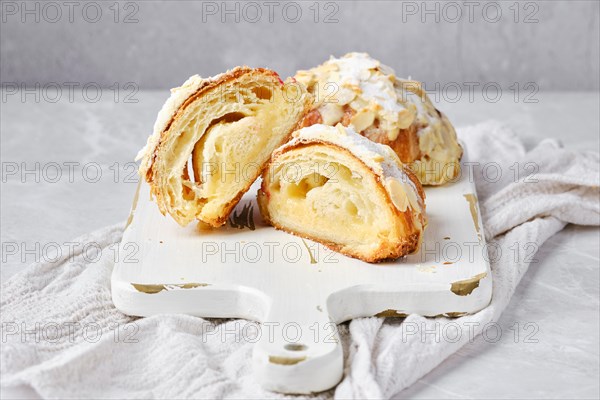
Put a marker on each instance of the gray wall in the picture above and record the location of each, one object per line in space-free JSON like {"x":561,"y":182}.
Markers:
{"x":553,"y":44}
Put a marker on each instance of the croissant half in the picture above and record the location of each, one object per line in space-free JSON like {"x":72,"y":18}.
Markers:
{"x":213,"y":137}
{"x":334,"y":186}
{"x":357,"y":90}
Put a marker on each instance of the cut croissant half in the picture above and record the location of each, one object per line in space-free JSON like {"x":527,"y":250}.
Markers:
{"x":213,"y":137}
{"x":332,"y":185}
{"x":359,"y":91}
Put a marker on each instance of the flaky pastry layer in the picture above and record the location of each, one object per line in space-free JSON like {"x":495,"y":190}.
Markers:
{"x":332,"y":185}
{"x":213,"y":137}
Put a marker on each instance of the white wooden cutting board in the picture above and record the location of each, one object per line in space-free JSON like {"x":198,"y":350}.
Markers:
{"x":296,"y":288}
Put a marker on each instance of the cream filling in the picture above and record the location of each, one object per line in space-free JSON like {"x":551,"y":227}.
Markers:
{"x":222,"y":150}
{"x":232,"y":154}
{"x":316,"y":194}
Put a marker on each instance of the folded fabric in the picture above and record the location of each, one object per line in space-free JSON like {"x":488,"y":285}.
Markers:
{"x":62,"y":335}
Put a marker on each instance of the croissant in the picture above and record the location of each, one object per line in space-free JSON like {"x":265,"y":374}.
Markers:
{"x":213,"y":137}
{"x":332,"y":185}
{"x":358,"y":90}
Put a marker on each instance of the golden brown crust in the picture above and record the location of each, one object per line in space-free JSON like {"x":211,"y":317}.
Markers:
{"x":207,"y":85}
{"x":405,"y":119}
{"x":408,"y":231}
{"x":164,"y":198}
{"x":405,"y":145}
{"x":311,"y":118}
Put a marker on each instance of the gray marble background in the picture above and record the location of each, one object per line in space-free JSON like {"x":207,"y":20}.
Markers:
{"x":157,"y":44}
{"x":169,"y":42}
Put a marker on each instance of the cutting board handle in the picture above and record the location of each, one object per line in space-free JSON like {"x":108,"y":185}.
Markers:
{"x":299,"y":349}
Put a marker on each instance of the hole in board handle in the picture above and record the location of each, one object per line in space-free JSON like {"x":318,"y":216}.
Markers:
{"x":295,"y":347}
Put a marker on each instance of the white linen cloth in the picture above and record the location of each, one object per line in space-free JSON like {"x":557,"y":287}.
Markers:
{"x":173,"y":356}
